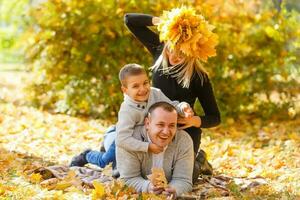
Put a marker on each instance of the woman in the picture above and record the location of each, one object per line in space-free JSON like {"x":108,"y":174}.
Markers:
{"x":192,"y":83}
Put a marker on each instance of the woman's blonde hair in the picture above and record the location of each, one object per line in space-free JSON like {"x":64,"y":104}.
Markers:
{"x":183,"y":71}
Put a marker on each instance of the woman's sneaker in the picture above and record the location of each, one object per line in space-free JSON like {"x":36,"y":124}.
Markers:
{"x":201,"y":166}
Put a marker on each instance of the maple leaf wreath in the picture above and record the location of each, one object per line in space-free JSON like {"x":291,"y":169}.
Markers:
{"x":188,"y":34}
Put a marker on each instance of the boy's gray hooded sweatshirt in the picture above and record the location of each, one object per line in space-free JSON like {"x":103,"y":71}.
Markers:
{"x":133,"y":113}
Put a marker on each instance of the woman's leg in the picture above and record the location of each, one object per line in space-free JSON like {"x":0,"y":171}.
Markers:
{"x":195,"y":134}
{"x":201,"y":165}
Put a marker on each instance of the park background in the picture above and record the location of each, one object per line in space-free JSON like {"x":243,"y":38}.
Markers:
{"x":59,"y":88}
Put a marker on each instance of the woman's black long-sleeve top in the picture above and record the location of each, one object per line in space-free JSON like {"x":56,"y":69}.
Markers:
{"x":138,"y":25}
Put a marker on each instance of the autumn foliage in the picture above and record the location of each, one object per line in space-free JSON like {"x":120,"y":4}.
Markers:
{"x":76,"y":48}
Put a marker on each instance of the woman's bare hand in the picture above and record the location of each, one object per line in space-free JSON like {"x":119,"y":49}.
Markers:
{"x":156,"y":21}
{"x":187,"y":122}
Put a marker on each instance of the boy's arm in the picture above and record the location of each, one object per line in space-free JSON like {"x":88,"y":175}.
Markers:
{"x":125,"y":126}
{"x":179,"y":106}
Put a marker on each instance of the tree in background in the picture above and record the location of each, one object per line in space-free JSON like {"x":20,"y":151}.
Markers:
{"x":13,"y":22}
{"x":76,"y":48}
{"x":256,"y":71}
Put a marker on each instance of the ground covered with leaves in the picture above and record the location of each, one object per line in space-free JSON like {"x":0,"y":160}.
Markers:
{"x":253,"y":159}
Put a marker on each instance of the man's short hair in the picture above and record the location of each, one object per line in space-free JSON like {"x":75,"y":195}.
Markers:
{"x":130,"y":70}
{"x":162,"y":104}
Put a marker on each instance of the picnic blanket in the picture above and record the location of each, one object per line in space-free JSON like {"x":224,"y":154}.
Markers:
{"x":84,"y":175}
{"x":217,"y":185}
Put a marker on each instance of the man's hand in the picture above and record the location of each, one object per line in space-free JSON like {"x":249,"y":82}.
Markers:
{"x":187,"y":122}
{"x":170,"y":192}
{"x":155,"y":190}
{"x":153,"y":148}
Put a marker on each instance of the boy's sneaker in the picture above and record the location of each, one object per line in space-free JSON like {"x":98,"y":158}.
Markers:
{"x":80,"y":160}
{"x":201,"y":166}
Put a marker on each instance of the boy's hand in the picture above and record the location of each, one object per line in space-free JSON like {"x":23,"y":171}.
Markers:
{"x":187,"y":110}
{"x":153,"y":148}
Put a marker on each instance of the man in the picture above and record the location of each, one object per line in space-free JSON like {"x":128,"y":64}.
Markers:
{"x":177,"y":159}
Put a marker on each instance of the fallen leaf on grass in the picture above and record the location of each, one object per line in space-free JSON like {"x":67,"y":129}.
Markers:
{"x":4,"y":188}
{"x":68,"y":181}
{"x":35,"y":178}
{"x":50,"y":184}
{"x":99,"y":190}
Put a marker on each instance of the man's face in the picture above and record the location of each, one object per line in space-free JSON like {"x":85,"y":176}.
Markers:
{"x":137,"y":87}
{"x":161,"y":126}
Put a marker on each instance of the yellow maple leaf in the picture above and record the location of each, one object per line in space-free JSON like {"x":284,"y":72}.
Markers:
{"x":2,"y":190}
{"x":188,"y":33}
{"x":294,"y":136}
{"x":62,"y":185}
{"x":68,"y":181}
{"x":50,"y":183}
{"x":99,"y":190}
{"x":35,"y":178}
{"x":87,"y":58}
{"x":158,"y":178}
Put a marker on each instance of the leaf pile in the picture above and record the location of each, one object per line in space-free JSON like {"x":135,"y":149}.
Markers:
{"x":259,"y":159}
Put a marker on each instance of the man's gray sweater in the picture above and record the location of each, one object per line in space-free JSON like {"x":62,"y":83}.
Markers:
{"x":177,"y":164}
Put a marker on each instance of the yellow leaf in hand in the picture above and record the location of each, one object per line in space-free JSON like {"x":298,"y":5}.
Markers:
{"x":158,"y":178}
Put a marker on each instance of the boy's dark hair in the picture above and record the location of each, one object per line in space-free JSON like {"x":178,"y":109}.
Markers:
{"x":130,"y":70}
{"x":161,"y":104}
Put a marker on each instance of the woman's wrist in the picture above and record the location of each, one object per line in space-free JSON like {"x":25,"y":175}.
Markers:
{"x":155,"y":20}
{"x":197,"y":121}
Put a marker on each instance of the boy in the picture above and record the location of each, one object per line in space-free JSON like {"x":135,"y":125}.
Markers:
{"x":138,"y":97}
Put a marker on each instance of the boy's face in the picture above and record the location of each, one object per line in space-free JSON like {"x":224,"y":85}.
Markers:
{"x":137,"y":87}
